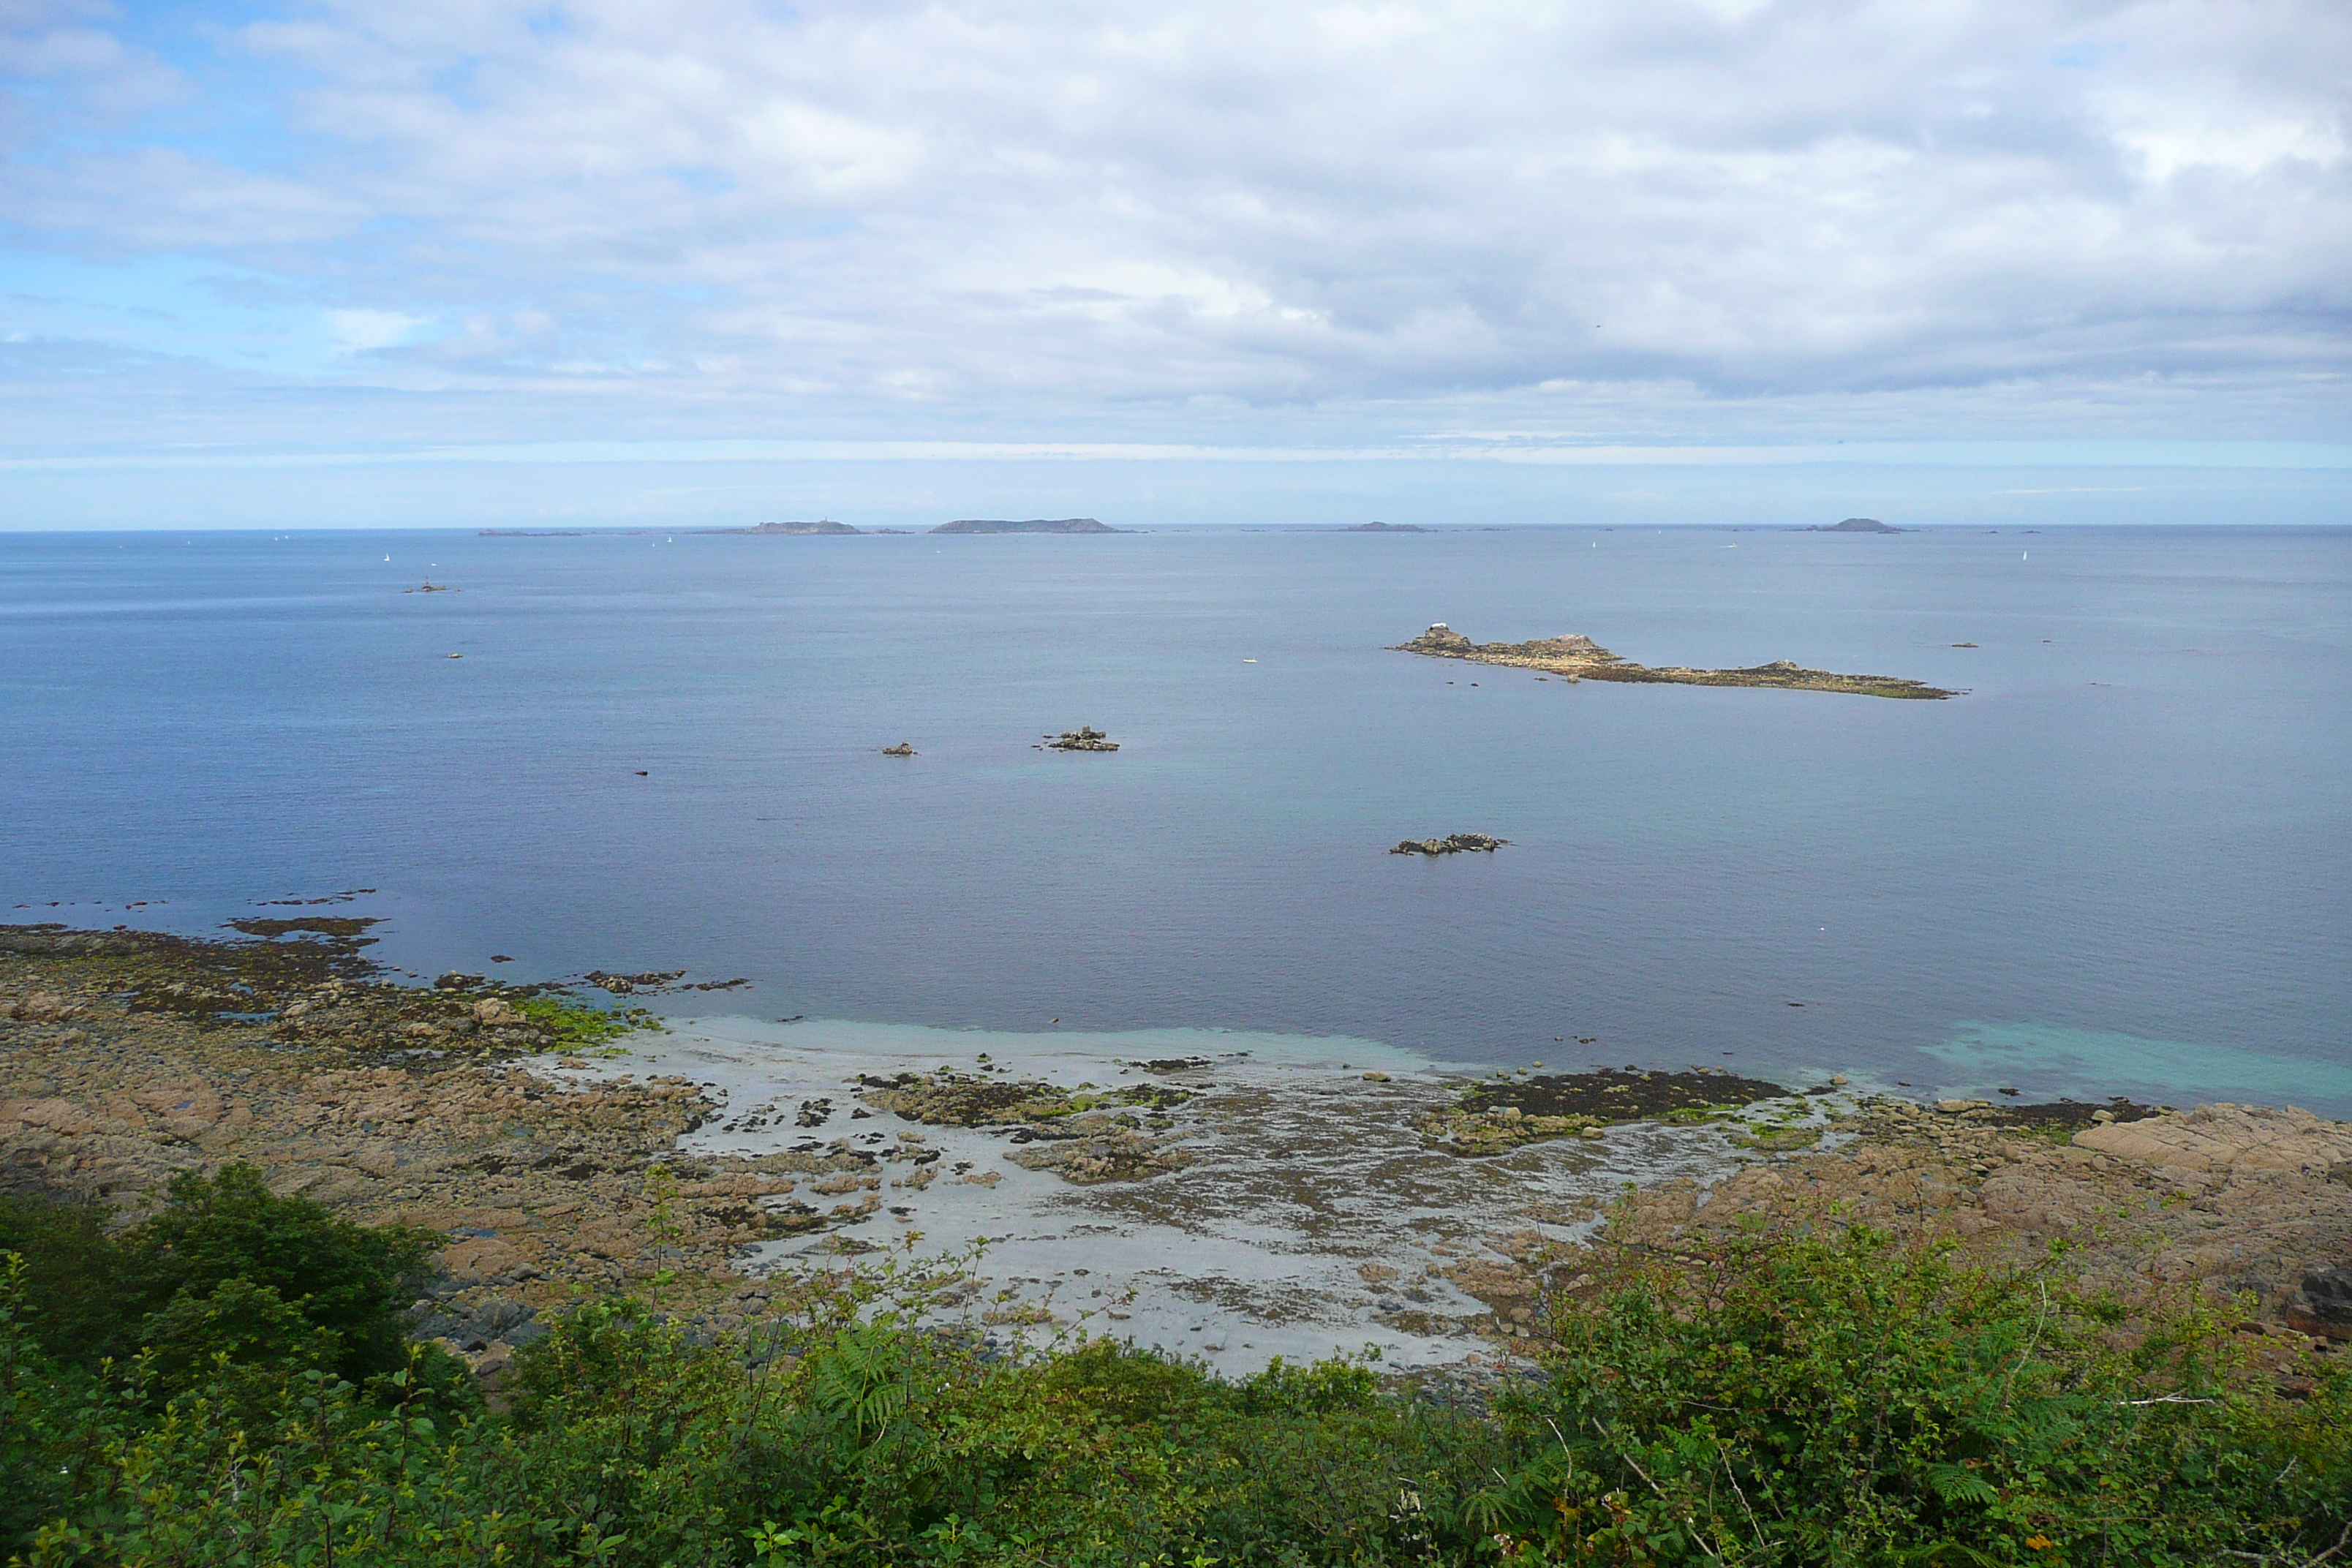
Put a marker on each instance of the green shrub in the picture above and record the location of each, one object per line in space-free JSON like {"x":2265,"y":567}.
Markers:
{"x":345,"y":1280}
{"x":1844,"y":1400}
{"x":81,"y":1293}
{"x":1823,"y":1400}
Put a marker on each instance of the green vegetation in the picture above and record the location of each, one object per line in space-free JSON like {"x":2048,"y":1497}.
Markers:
{"x":1832,"y":1398}
{"x":575,"y":1023}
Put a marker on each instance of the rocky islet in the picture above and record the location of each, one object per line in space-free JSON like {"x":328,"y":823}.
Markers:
{"x":1452,"y":844}
{"x":1575,"y":658}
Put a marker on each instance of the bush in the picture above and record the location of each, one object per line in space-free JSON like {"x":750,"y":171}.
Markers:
{"x":349,"y":1281}
{"x":1823,"y":1400}
{"x":1844,"y":1400}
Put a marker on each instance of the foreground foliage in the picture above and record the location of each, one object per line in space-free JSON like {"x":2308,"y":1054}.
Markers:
{"x":1832,"y":1399}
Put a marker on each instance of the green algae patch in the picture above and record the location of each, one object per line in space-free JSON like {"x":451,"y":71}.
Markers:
{"x":1488,"y":1118}
{"x":950,"y":1099}
{"x":572,"y":1022}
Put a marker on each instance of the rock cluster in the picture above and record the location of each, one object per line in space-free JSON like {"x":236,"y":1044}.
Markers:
{"x":1086,"y":1135}
{"x":1488,"y":1118}
{"x":1100,"y":1147}
{"x":1452,"y":844}
{"x":903,"y":749}
{"x":1085,"y":737}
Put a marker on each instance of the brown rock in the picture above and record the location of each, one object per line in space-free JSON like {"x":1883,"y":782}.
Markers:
{"x":2227,"y":1137}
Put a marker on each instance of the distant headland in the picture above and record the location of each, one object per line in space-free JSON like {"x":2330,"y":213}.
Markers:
{"x":1033,"y":525}
{"x":1581,"y":659}
{"x":1854,"y":525}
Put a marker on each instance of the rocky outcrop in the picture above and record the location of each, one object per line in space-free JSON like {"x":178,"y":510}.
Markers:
{"x":1578,"y":658}
{"x":1101,"y":1147}
{"x":1452,"y":844}
{"x":1086,"y":1135}
{"x":2224,"y":1137}
{"x":1033,"y":525}
{"x":1085,"y":737}
{"x":2282,"y":1237}
{"x":2323,"y":1307}
{"x":1489,"y":1118}
{"x":903,"y":749}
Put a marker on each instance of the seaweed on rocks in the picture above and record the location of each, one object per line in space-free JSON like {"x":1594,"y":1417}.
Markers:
{"x":950,"y":1099}
{"x":1491,"y":1117}
{"x":1085,"y":1135}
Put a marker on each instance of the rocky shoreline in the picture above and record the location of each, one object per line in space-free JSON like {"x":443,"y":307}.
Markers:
{"x":508,"y":1118}
{"x":1578,"y":658}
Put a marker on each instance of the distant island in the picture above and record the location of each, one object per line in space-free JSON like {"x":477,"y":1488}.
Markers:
{"x":1035,"y":525}
{"x":1581,"y":659}
{"x":1384,"y":528}
{"x":1854,"y":525}
{"x":798,"y":529}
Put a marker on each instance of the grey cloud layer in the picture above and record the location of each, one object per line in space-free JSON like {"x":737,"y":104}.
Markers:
{"x":952,"y":207}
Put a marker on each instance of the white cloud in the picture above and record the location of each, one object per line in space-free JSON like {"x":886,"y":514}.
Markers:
{"x":358,"y":331}
{"x":1038,"y":211}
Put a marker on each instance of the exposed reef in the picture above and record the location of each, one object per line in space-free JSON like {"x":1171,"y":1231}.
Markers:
{"x":1489,"y":1118}
{"x":1085,"y":1135}
{"x":1578,"y":658}
{"x":1085,"y":737}
{"x":903,"y":749}
{"x":1452,"y":844}
{"x":1033,"y":525}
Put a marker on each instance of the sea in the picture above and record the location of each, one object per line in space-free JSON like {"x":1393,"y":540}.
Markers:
{"x":2119,"y":862}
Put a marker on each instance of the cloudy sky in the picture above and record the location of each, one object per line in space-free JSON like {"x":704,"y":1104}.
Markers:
{"x":467,"y":260}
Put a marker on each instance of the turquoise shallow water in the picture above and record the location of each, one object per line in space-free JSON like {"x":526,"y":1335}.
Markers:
{"x":2122,"y":863}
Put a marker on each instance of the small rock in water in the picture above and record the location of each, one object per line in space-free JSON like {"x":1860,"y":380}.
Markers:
{"x":1452,"y":844}
{"x":1085,"y":737}
{"x":903,"y":749}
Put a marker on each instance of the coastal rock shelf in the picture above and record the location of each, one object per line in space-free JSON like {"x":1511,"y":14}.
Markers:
{"x":1580,"y":658}
{"x":1452,"y":844}
{"x":1239,"y":1204}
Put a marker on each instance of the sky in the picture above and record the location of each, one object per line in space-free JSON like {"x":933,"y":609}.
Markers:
{"x":480,"y":262}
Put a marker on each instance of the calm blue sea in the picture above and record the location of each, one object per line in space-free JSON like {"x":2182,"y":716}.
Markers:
{"x":2121,"y":863}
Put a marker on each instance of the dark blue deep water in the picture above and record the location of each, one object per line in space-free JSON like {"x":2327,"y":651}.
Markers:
{"x":2122,"y":862}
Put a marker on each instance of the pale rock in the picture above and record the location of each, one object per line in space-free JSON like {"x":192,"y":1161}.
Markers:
{"x":2224,"y":1137}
